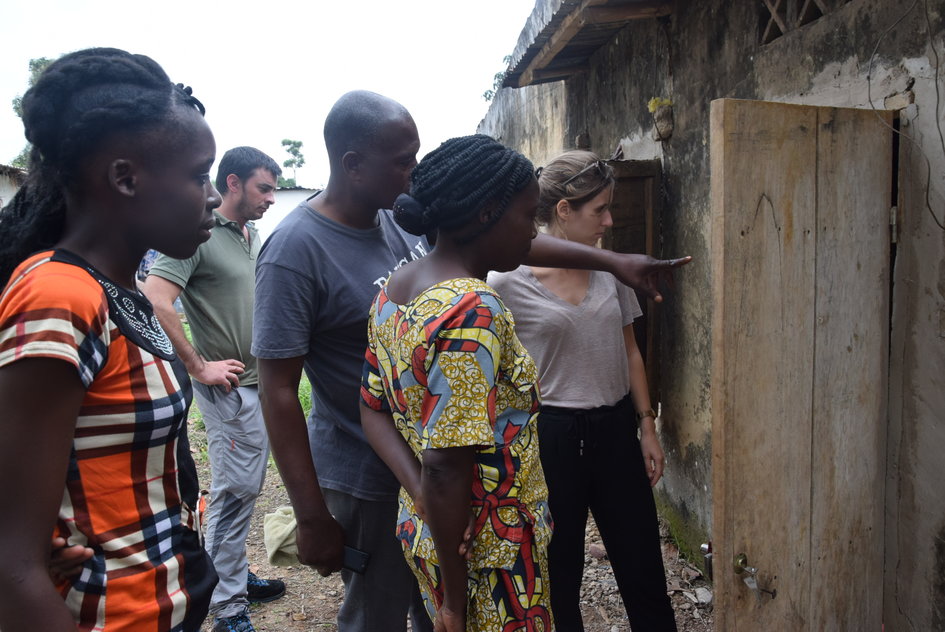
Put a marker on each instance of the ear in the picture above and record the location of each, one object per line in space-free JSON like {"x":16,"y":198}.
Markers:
{"x":351,"y":162}
{"x":233,"y":183}
{"x":563,"y":210}
{"x":486,"y":212}
{"x":122,"y":177}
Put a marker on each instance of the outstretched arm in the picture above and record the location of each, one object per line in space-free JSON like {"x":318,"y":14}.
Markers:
{"x":641,"y":272}
{"x":320,"y":537}
{"x":42,"y":427}
{"x":162,"y":294}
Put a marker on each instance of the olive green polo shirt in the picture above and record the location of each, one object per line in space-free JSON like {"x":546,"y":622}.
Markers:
{"x":218,"y":284}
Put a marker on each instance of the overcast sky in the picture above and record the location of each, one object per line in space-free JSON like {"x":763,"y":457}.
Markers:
{"x":271,"y":70}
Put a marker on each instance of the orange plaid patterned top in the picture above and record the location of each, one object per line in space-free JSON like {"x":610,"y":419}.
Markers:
{"x":130,"y":469}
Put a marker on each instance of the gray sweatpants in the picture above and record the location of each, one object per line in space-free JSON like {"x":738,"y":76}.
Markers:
{"x":239,"y":451}
{"x":378,"y":600}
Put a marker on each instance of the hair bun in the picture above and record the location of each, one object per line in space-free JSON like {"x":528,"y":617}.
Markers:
{"x":411,"y":215}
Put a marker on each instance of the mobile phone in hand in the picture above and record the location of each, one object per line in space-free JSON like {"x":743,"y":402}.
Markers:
{"x":355,"y":560}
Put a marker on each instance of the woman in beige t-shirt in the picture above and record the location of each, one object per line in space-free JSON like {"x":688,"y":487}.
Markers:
{"x":577,"y":325}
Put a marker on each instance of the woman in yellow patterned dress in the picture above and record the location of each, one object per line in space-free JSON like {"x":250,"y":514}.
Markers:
{"x":450,"y":395}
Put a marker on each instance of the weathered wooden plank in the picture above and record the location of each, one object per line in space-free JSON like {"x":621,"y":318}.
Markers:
{"x":568,"y":28}
{"x":777,"y":13}
{"x":589,"y":13}
{"x":635,"y":209}
{"x":551,"y":74}
{"x":625,"y":12}
{"x":854,"y":183}
{"x":763,"y":202}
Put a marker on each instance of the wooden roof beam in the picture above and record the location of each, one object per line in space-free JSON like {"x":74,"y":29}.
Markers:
{"x":559,"y":39}
{"x":589,"y":12}
{"x":627,"y":12}
{"x":553,"y":74}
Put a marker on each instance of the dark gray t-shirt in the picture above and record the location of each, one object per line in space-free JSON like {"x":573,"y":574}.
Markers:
{"x":315,"y":281}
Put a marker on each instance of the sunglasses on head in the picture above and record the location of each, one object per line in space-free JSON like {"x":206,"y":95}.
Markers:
{"x":597,"y":164}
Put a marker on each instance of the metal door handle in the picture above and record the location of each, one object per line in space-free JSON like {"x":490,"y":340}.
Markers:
{"x":741,"y":565}
{"x":751,"y":577}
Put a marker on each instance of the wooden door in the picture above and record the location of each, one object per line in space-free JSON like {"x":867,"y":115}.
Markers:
{"x":635,"y":209}
{"x":800,"y":266}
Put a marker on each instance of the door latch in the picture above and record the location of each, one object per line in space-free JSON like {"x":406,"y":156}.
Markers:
{"x":707,"y":558}
{"x":751,"y":577}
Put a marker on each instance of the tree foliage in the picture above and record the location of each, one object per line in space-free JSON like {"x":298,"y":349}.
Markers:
{"x":296,"y":161}
{"x":37,"y":66}
{"x":497,"y":80}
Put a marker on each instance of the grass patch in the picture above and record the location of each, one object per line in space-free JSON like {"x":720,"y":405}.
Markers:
{"x":305,"y":395}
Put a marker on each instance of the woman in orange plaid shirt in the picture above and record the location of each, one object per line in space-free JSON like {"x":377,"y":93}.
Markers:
{"x":93,"y":444}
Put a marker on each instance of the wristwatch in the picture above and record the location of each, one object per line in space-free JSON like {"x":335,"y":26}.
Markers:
{"x":649,"y":412}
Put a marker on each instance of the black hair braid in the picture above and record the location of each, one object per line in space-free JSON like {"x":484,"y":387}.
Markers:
{"x":125,"y":115}
{"x":515,"y":174}
{"x":77,"y":102}
{"x":453,"y":183}
{"x":83,"y":81}
{"x":185,"y":95}
{"x":36,"y":214}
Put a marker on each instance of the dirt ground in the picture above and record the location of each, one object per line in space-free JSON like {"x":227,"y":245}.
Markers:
{"x":311,"y":601}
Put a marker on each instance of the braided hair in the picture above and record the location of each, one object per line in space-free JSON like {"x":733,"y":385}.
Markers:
{"x":79,"y":100}
{"x":457,"y":180}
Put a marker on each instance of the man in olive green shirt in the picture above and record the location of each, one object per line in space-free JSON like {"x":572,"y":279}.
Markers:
{"x":216,"y":287}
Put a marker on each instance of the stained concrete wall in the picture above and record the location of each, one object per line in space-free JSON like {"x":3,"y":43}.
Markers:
{"x":533,"y":120}
{"x":710,"y":49}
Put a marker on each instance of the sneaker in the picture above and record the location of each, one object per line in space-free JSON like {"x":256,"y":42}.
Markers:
{"x":239,"y":623}
{"x":263,"y":590}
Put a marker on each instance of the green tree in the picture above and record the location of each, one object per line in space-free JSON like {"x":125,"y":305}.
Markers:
{"x":497,"y":80}
{"x":297,"y":160}
{"x":37,"y":66}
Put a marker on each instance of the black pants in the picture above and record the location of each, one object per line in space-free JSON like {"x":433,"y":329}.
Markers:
{"x":592,"y":460}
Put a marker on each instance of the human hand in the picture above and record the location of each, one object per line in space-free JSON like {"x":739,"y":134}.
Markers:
{"x":466,"y":546}
{"x":66,"y":561}
{"x":419,"y":508}
{"x":653,"y":458}
{"x":644,"y":273}
{"x":220,"y":373}
{"x":321,"y":545}
{"x":448,"y":620}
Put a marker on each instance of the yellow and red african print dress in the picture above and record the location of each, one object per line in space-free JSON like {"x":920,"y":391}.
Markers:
{"x":131,"y":482}
{"x":451,"y":371}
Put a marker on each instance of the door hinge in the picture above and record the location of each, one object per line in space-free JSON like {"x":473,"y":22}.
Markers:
{"x":893,"y":224}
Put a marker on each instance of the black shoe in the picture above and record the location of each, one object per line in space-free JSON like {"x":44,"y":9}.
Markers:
{"x":263,"y":590}
{"x":239,"y":623}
